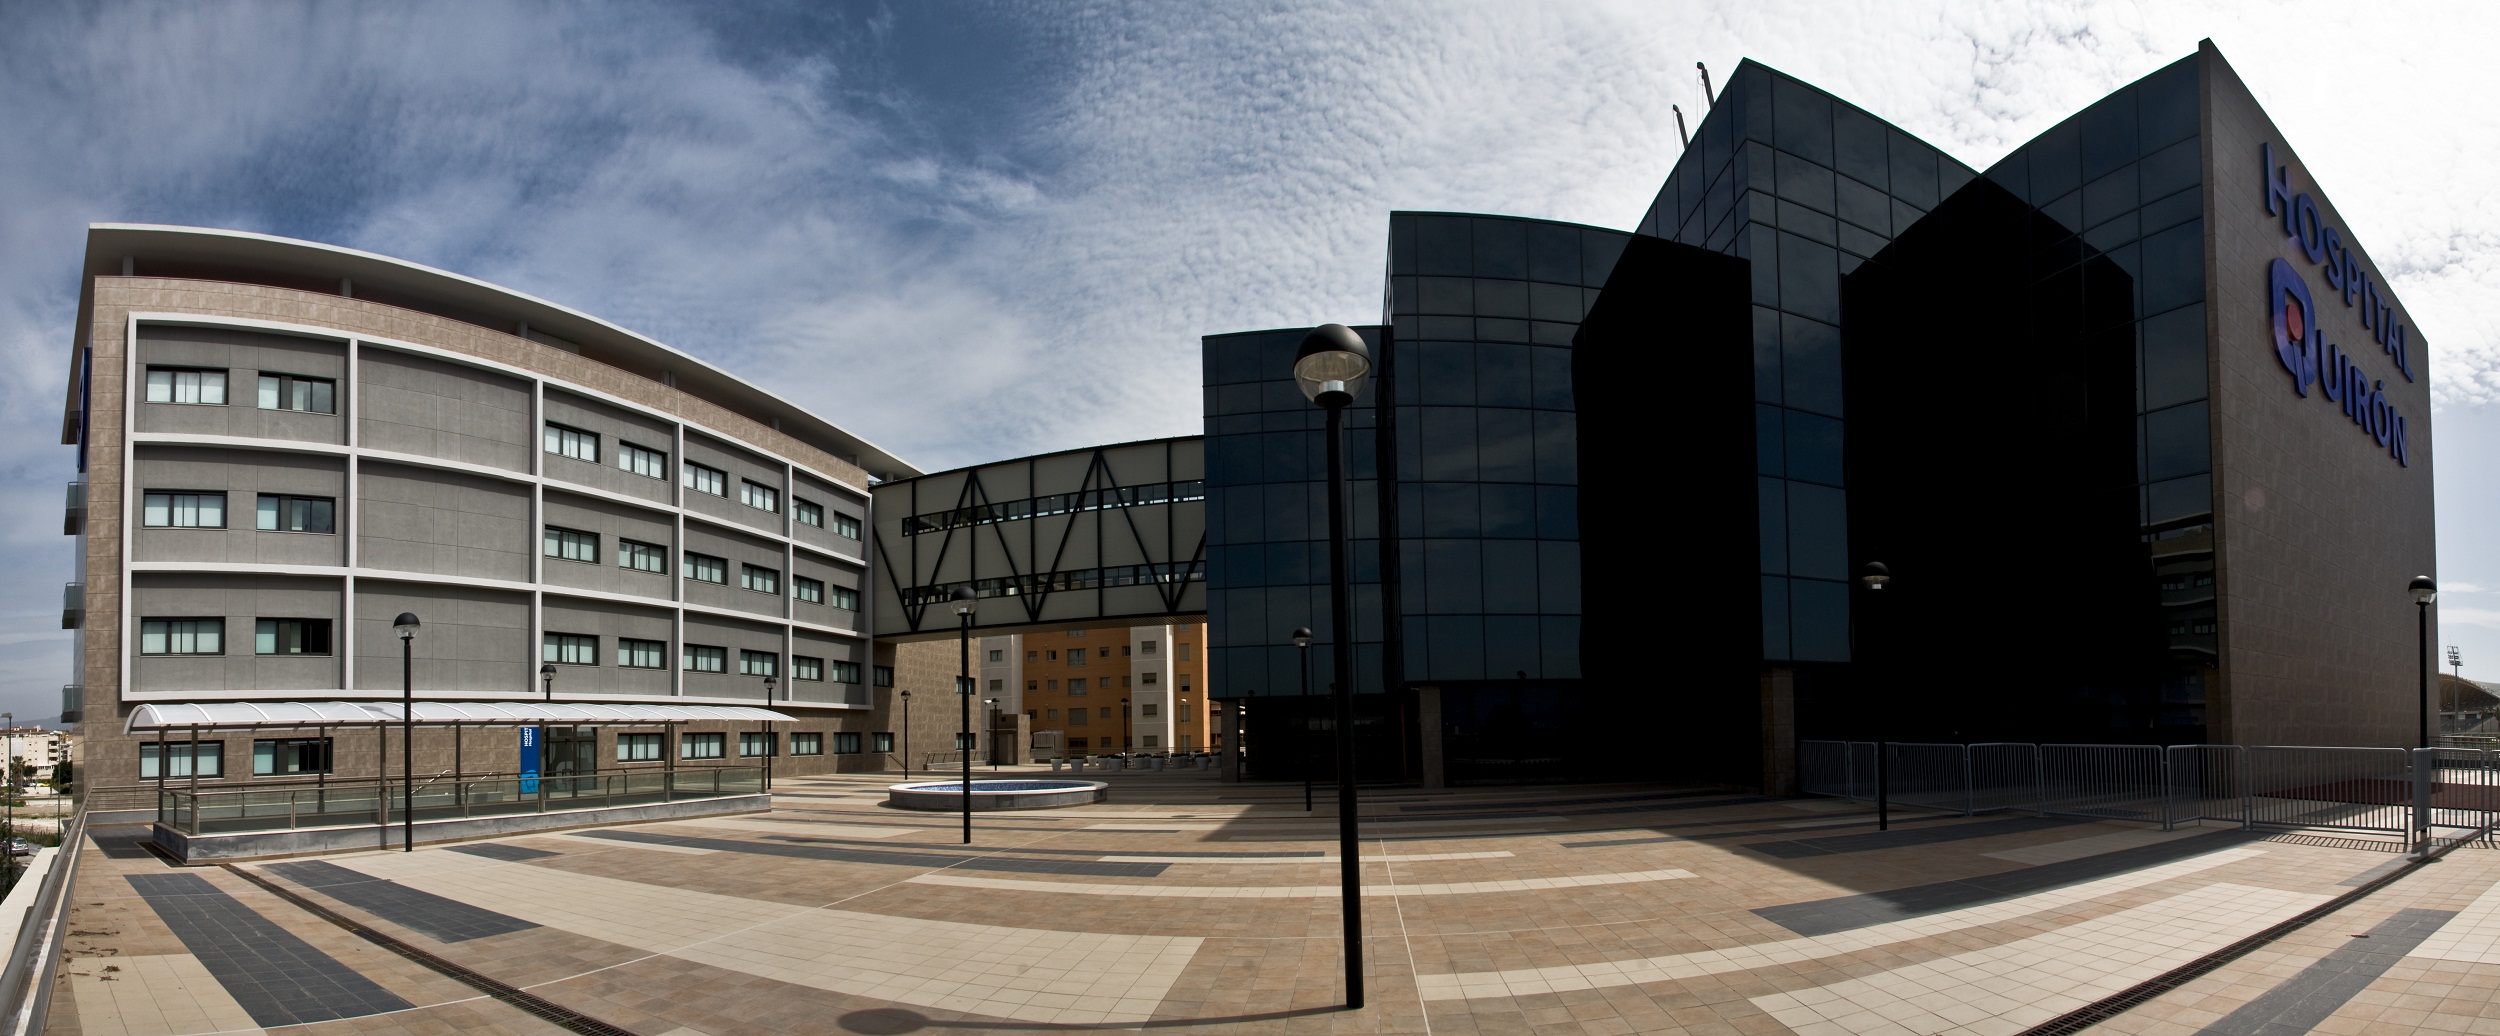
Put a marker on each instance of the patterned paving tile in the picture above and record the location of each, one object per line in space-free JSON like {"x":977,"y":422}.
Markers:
{"x":447,"y":920}
{"x":274,"y":976}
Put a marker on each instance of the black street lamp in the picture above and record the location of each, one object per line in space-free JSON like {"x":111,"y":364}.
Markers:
{"x":1302,"y":654}
{"x":1124,"y":739}
{"x":770,"y":680}
{"x":965,"y":601}
{"x":547,"y":680}
{"x":407,"y":625}
{"x":993,"y":704}
{"x":1330,"y":368}
{"x":2424,"y":592}
{"x":906,"y":696}
{"x":1875,"y":575}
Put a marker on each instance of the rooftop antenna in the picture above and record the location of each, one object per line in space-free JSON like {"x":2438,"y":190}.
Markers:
{"x":1706,"y":92}
{"x":1679,"y":125}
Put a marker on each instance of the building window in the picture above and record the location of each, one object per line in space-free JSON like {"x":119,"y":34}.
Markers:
{"x":807,"y":511}
{"x":997,"y":656}
{"x":277,"y":757}
{"x":1076,"y":717}
{"x":1146,"y":647}
{"x":845,"y":743}
{"x":1183,"y":648}
{"x":168,"y":509}
{"x":647,"y":557}
{"x":573,"y":442}
{"x":848,"y":672}
{"x":706,"y":480}
{"x":1151,"y":739}
{"x":1123,"y":651}
{"x":572,"y":545}
{"x":881,"y":742}
{"x":842,"y":597}
{"x":641,"y":654}
{"x":885,"y":676}
{"x":804,"y":667}
{"x":637,"y":748}
{"x":180,"y":385}
{"x":759,"y":663}
{"x":207,"y":758}
{"x":967,"y":742}
{"x":700,"y":746}
{"x":1076,"y":742}
{"x":1076,"y":686}
{"x":288,"y":513}
{"x":1147,"y":709}
{"x":1053,"y":715}
{"x":293,"y":392}
{"x":703,"y":658}
{"x":812,"y":743}
{"x":760,"y":580}
{"x":182,"y":636}
{"x":1031,"y":655}
{"x":1150,"y":679}
{"x":756,"y":745}
{"x":707,"y":568}
{"x":845,"y":526}
{"x":291,"y":637}
{"x":998,"y":685}
{"x":569,"y":649}
{"x":811,"y":591}
{"x":759,"y":496}
{"x":1032,"y":685}
{"x":641,"y":460}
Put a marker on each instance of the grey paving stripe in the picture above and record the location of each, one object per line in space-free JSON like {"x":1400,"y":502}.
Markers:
{"x":1539,"y":804}
{"x":1067,"y":852}
{"x":1869,"y":841}
{"x":891,"y":858}
{"x":2304,"y":1000}
{"x":2374,"y":873}
{"x":511,"y":853}
{"x":1842,"y":913}
{"x":447,"y":920}
{"x":278,"y":978}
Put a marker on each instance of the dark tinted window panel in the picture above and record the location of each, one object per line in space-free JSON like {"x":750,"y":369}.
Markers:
{"x":1442,"y":246}
{"x":2172,"y":211}
{"x":1457,"y":646}
{"x":2013,"y":172}
{"x":1289,"y":507}
{"x":1864,"y":206}
{"x":1803,"y":182}
{"x":2166,"y":105}
{"x":1803,"y":125}
{"x":1810,"y":365}
{"x":1809,"y":279}
{"x":1450,"y":509}
{"x":2105,"y":135}
{"x":2112,"y":234}
{"x":1454,"y":574}
{"x":2177,"y":442}
{"x":1510,"y":584}
{"x":1762,"y":246}
{"x":1501,"y":248}
{"x":2106,"y":198}
{"x":1818,"y":531}
{"x":1402,"y":245}
{"x":2174,"y":357}
{"x":1904,"y":214}
{"x":2174,"y":267}
{"x":1774,"y":617}
{"x":1913,"y":172}
{"x":2174,"y":168}
{"x":1770,"y":440}
{"x":1598,"y":251}
{"x":2056,"y":168}
{"x":1550,"y":378}
{"x":1509,"y":512}
{"x":1950,"y":177}
{"x":1818,"y":620}
{"x":1557,"y":448}
{"x":1506,"y":449}
{"x":1450,"y":295}
{"x":2178,"y":498}
{"x":1813,"y":448}
{"x":1858,"y":146}
{"x":1510,"y":647}
{"x":1502,"y":375}
{"x":1751,"y":91}
{"x":2065,"y":215}
{"x":1501,"y":298}
{"x":1766,"y":354}
{"x":1858,"y":243}
{"x":1554,"y":301}
{"x":1289,"y":564}
{"x":1558,"y":576}
{"x":1771,"y":513}
{"x":1489,"y":329}
{"x":1447,"y":374}
{"x":1558,"y":512}
{"x":1807,"y":223}
{"x":1448,"y":444}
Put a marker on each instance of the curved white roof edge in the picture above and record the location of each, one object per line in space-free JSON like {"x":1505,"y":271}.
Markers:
{"x":893,"y":463}
{"x":180,"y":716}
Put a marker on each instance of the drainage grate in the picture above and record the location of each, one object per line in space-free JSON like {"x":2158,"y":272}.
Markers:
{"x":2093,"y":1014}
{"x":548,"y":1010}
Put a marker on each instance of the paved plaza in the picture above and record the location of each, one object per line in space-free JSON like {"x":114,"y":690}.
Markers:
{"x":1183,"y":903}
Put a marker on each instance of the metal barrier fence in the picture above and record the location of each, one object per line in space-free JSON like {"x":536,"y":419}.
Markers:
{"x":2399,"y":791}
{"x":378,"y":802}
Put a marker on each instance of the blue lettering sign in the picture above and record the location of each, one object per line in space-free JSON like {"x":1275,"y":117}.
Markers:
{"x":529,"y":760}
{"x":2300,"y":343}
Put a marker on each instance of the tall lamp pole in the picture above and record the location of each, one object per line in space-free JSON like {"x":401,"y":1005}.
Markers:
{"x":1330,"y":368}
{"x":407,"y":625}
{"x":1302,"y":654}
{"x":2424,"y":592}
{"x":767,"y":746}
{"x":906,"y":696}
{"x":1875,"y":575}
{"x":993,"y":704}
{"x":1124,"y":737}
{"x":547,"y":681}
{"x":965,"y":601}
{"x":2452,"y":704}
{"x":8,"y":837}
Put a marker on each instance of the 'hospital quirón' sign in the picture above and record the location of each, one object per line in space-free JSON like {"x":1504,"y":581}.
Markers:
{"x":2300,"y":343}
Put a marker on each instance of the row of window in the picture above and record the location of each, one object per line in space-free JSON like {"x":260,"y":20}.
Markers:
{"x":208,"y":388}
{"x":208,"y":636}
{"x":1057,"y":503}
{"x":206,"y":509}
{"x":643,"y":460}
{"x":1073,"y":579}
{"x":280,"y":757}
{"x":1077,"y":685}
{"x":631,"y":653}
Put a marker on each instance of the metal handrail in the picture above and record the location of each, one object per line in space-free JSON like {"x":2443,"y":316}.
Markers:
{"x":356,"y":802}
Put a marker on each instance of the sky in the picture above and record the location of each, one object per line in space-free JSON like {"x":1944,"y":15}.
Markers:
{"x":974,"y":231}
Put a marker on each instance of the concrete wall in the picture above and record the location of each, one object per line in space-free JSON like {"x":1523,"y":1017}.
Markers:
{"x":742,"y":466}
{"x":609,"y":621}
{"x":242,"y":475}
{"x":611,"y":521}
{"x":443,"y":522}
{"x":244,"y":356}
{"x":613,"y":425}
{"x":2318,"y":528}
{"x":473,"y":639}
{"x":240,"y":601}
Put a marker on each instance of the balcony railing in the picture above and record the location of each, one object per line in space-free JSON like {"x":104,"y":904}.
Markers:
{"x":73,"y":605}
{"x":73,"y":701}
{"x":74,"y":510}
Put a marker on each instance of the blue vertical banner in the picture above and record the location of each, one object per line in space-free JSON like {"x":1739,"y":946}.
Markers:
{"x":529,"y":760}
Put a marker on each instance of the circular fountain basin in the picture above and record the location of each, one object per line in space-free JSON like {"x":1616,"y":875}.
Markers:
{"x":948,"y":796}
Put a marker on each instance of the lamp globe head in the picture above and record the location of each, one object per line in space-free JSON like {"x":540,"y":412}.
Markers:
{"x":1331,"y":365}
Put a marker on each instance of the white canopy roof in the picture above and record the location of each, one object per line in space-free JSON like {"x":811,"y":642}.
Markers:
{"x":508,"y":713}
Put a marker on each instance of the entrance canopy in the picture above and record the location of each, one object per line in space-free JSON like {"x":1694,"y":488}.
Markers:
{"x":229,"y":714}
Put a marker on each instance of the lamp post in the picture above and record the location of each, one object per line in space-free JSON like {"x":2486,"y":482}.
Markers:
{"x":407,"y":625}
{"x":8,"y":834}
{"x":1124,"y":738}
{"x":906,"y":696}
{"x":1330,"y":368}
{"x":1302,"y":655}
{"x":1875,"y":575}
{"x":2452,"y":704}
{"x":993,"y":704}
{"x":965,"y":601}
{"x":547,"y":681}
{"x":767,"y":746}
{"x":2424,"y":592}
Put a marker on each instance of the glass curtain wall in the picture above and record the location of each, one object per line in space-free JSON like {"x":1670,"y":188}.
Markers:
{"x":1807,"y":188}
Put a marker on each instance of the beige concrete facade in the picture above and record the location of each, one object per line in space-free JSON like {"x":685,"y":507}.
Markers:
{"x":2318,"y":528}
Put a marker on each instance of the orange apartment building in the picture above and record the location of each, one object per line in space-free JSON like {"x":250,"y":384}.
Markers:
{"x":1075,"y":688}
